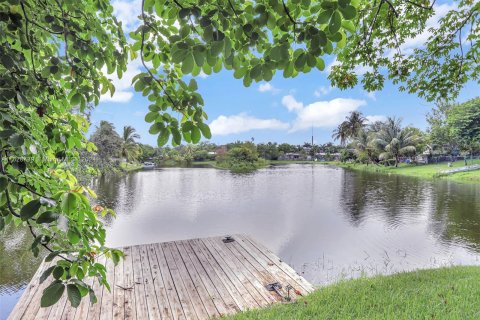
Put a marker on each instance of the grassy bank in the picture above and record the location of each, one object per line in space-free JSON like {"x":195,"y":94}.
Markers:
{"x":447,"y":293}
{"x":428,"y":171}
{"x":128,"y":167}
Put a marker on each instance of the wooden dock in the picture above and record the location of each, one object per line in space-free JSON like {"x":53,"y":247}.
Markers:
{"x":189,"y":279}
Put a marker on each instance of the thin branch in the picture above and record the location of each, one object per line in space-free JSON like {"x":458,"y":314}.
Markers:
{"x":461,"y":51}
{"x":35,"y":23}
{"x":30,"y":227}
{"x":158,"y":81}
{"x":392,"y":8}
{"x":233,"y":8}
{"x":430,"y":7}
{"x":176,"y":2}
{"x":375,"y":20}
{"x":291,"y":19}
{"x":32,"y":48}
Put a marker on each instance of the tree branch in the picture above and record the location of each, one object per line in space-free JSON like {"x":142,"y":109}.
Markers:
{"x":158,"y":81}
{"x":430,"y":7}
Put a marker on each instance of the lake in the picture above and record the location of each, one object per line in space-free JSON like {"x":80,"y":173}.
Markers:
{"x":327,"y":223}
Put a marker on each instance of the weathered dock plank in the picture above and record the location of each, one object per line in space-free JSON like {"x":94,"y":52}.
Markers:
{"x":187,"y":279}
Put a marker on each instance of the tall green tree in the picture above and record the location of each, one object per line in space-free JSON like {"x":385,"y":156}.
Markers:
{"x":394,"y":141}
{"x":350,"y":127}
{"x":108,"y":142}
{"x":440,"y":135}
{"x":364,"y":144}
{"x":464,"y":122}
{"x":130,"y":149}
{"x":54,"y":61}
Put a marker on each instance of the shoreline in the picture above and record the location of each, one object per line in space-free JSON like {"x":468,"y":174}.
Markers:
{"x":428,"y":171}
{"x":443,"y":293}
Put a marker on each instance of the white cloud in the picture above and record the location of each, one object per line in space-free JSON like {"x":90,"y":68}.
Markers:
{"x":322,"y":91}
{"x":123,"y":86}
{"x":267,"y":87}
{"x":242,"y":122}
{"x":127,"y":12}
{"x":375,"y":118}
{"x":292,"y":104}
{"x":320,"y":114}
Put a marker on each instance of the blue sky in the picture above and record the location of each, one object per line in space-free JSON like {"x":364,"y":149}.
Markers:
{"x":283,"y":110}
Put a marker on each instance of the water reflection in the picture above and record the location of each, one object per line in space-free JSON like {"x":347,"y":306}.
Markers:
{"x":324,"y":221}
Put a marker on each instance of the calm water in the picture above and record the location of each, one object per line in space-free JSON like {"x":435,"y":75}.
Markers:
{"x":326,"y":222}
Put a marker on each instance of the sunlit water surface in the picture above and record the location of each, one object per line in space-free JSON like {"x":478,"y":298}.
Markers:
{"x":327,"y":223}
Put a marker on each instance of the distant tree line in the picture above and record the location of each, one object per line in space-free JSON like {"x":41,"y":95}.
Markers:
{"x":454,"y":130}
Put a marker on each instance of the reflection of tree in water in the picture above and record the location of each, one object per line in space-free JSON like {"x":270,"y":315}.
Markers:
{"x":107,"y":189}
{"x":394,"y":198}
{"x":456,"y":213}
{"x":115,"y":191}
{"x":17,"y":263}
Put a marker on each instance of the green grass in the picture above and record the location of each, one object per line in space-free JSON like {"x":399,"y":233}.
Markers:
{"x":130,"y":166}
{"x":276,"y":162}
{"x":429,"y":171}
{"x":447,"y":293}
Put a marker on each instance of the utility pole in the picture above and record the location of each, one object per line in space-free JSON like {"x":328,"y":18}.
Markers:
{"x":313,"y":150}
{"x":312,"y":136}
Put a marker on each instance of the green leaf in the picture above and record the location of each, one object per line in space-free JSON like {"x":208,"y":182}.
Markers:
{"x":320,"y":64}
{"x":176,"y":136}
{"x":76,"y":99}
{"x":74,"y":295}
{"x":187,"y":64}
{"x":47,"y":217}
{"x":16,"y":140}
{"x":2,"y":223}
{"x":93,"y":297}
{"x":256,"y":71}
{"x":348,"y":25}
{"x":205,"y":130}
{"x":300,"y":61}
{"x":58,"y":272}
{"x":163,"y":137}
{"x":349,"y":12}
{"x":199,"y":57}
{"x":324,"y":17}
{"x":335,"y":22}
{"x":195,"y":135}
{"x":46,"y":273}
{"x":52,"y":294}
{"x":30,"y":209}
{"x":3,"y":183}
{"x":73,"y":236}
{"x":51,"y":256}
{"x":151,"y":116}
{"x":69,"y":202}
{"x":192,"y":85}
{"x":156,"y":128}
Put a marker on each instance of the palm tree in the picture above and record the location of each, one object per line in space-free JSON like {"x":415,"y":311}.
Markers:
{"x":363,"y":142}
{"x":130,"y":148}
{"x":394,"y":141}
{"x":356,"y":122}
{"x":341,"y":133}
{"x":349,"y":128}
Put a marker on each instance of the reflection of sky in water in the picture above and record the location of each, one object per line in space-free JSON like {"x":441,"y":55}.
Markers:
{"x":325,"y":222}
